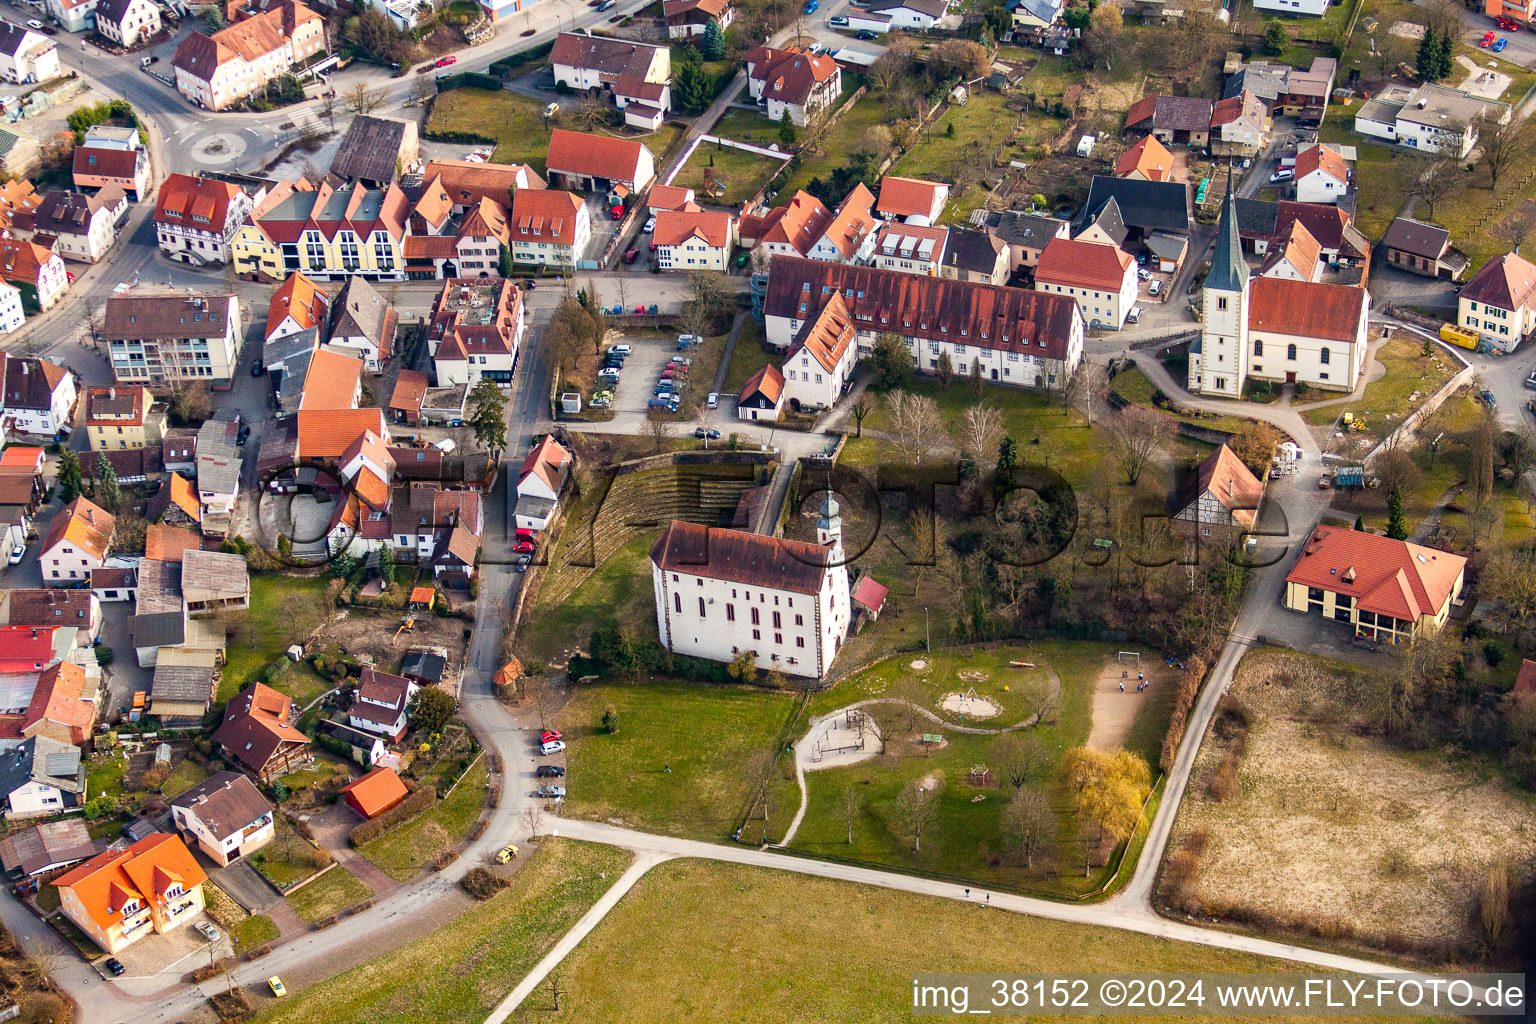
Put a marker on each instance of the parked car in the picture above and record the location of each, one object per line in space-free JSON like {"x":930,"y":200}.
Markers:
{"x":1499,"y":46}
{"x":276,"y":985}
{"x":552,"y":792}
{"x":257,"y":369}
{"x":523,"y":547}
{"x":443,"y":62}
{"x":811,"y":6}
{"x":713,"y":401}
{"x":1530,"y":381}
{"x":1506,"y":24}
{"x":865,"y":33}
{"x":838,"y":21}
{"x":706,"y":433}
{"x":1156,"y":288}
{"x":207,"y":931}
{"x":1487,"y":398}
{"x":17,"y":555}
{"x":1283,"y":174}
{"x":506,"y":854}
{"x":622,"y":350}
{"x":815,"y":49}
{"x":34,"y":25}
{"x":684,"y":360}
{"x":1134,"y":316}
{"x":1145,"y":275}
{"x":650,"y":225}
{"x":552,"y":747}
{"x":606,"y":5}
{"x":550,"y":735}
{"x":661,"y":403}
{"x":523,"y":533}
{"x":116,"y":967}
{"x":1487,"y":40}
{"x":549,"y":771}
{"x":617,"y":213}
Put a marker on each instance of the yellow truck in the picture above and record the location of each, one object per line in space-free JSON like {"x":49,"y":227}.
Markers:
{"x":1458,"y":336}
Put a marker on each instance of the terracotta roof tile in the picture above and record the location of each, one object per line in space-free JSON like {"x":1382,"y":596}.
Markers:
{"x":1306,"y":310}
{"x":1389,"y":577}
{"x":544,"y":215}
{"x":1148,"y":156}
{"x":1508,"y":282}
{"x":194,"y":201}
{"x":63,"y":697}
{"x":1066,"y":261}
{"x":143,"y":873}
{"x":909,"y":197}
{"x":1324,"y":158}
{"x":410,"y":389}
{"x":674,"y":227}
{"x":300,"y":298}
{"x":376,"y":792}
{"x":467,"y":181}
{"x":1229,"y":481}
{"x":598,"y":155}
{"x":325,"y":434}
{"x":769,"y":382}
{"x":85,"y":525}
{"x":739,"y":557}
{"x":331,"y":382}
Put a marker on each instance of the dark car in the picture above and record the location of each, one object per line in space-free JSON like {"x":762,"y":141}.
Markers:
{"x":530,"y":284}
{"x":549,"y":771}
{"x":116,"y":967}
{"x":865,"y":33}
{"x":257,"y":369}
{"x":243,"y":435}
{"x":631,"y":255}
{"x":706,"y":432}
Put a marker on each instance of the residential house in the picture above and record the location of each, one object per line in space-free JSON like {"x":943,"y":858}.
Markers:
{"x":422,"y":515}
{"x":1148,"y":160}
{"x":793,"y":83}
{"x":258,"y":733}
{"x":45,"y":849}
{"x":84,"y":227}
{"x":911,"y":249}
{"x":861,"y":20}
{"x":792,"y":229}
{"x":405,"y":401}
{"x":376,"y":150}
{"x":178,"y":451}
{"x":1219,"y":494}
{"x":26,"y":56}
{"x":214,"y":582}
{"x":39,"y":397}
{"x":1431,"y":118}
{"x":1321,"y":174}
{"x":549,"y":228}
{"x":72,"y":15}
{"x":1298,"y":258}
{"x":1238,"y":124}
{"x":1423,"y":249}
{"x":668,"y":197}
{"x":822,"y":357}
{"x":54,"y":608}
{"x":196,"y":218}
{"x":223,"y":69}
{"x":123,"y":417}
{"x":1294,"y":8}
{"x":544,"y":471}
{"x":12,"y":312}
{"x":468,"y":182}
{"x":41,"y":776}
{"x":1175,"y":120}
{"x":1035,"y":15}
{"x":298,"y":305}
{"x":77,"y":541}
{"x":853,"y":232}
{"x":160,"y":338}
{"x":381,"y":704}
{"x":1499,"y":302}
{"x":597,"y":162}
{"x":175,"y":504}
{"x":128,"y":23}
{"x":372,"y":794}
{"x":226,"y":816}
{"x":475,"y":330}
{"x":63,"y":706}
{"x":913,"y":15}
{"x":1263,"y":225}
{"x":363,"y":324}
{"x":219,"y":464}
{"x":1143,"y":207}
{"x":975,"y":256}
{"x":1026,"y":338}
{"x":687,"y":18}
{"x":722,"y":592}
{"x":686,"y":240}
{"x":1027,"y":234}
{"x":120,"y":896}
{"x":912,"y":200}
{"x":762,"y":396}
{"x":325,"y":232}
{"x":1306,"y":92}
{"x":37,"y":272}
{"x":112,"y":156}
{"x":1387,"y":590}
{"x":120,"y":583}
{"x":367,"y":749}
{"x":584,"y":62}
{"x":1100,"y":278}
{"x":334,"y":381}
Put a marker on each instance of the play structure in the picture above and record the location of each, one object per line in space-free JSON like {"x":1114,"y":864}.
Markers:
{"x":845,"y":734}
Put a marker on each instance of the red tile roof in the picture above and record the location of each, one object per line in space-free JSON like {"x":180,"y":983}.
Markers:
{"x":544,"y":215}
{"x":331,"y":383}
{"x":674,"y":227}
{"x":1148,"y":156}
{"x":256,"y":725}
{"x":1385,"y":576}
{"x":1508,"y":282}
{"x":194,"y":201}
{"x":735,"y":556}
{"x":300,"y":298}
{"x":64,"y":697}
{"x":23,"y":261}
{"x":793,"y":78}
{"x":145,"y":872}
{"x":600,"y":156}
{"x":800,"y":223}
{"x":827,"y":335}
{"x":549,"y":461}
{"x":410,"y":389}
{"x":106,"y":163}
{"x":84,"y":524}
{"x":853,"y":221}
{"x":1229,"y":481}
{"x":373,"y":794}
{"x":870,"y":593}
{"x":668,"y":197}
{"x":1075,"y":264}
{"x":908,"y":197}
{"x":768,"y":382}
{"x":326,"y":433}
{"x":1306,"y":310}
{"x":1321,"y":157}
{"x":467,"y":182}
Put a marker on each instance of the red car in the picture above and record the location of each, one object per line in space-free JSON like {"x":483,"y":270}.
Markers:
{"x":631,"y":255}
{"x":639,"y":310}
{"x":1507,"y":25}
{"x":549,"y":735}
{"x":523,"y":547}
{"x":1487,"y":40}
{"x":523,"y":533}
{"x":443,"y":62}
{"x":617,"y":213}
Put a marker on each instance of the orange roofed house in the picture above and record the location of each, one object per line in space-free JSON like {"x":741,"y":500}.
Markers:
{"x":196,"y":218}
{"x":475,"y":330}
{"x":77,"y":542}
{"x":120,"y":896}
{"x":1386,"y":589}
{"x":1101,"y":278}
{"x":1147,"y":159}
{"x":793,"y":229}
{"x":372,"y":794}
{"x":221,"y":70}
{"x":687,"y":240}
{"x":549,"y":227}
{"x":593,"y":162}
{"x":822,"y":358}
{"x":1220,"y":494}
{"x":258,"y":734}
{"x":793,"y":83}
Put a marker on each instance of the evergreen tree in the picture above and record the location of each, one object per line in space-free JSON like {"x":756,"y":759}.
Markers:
{"x":386,"y":565}
{"x":1276,"y":38}
{"x":1447,"y":54}
{"x":1428,"y":58}
{"x":714,"y":41}
{"x":945,"y":371}
{"x":1007,"y":463}
{"x":342,"y":566}
{"x":505,"y":263}
{"x":107,"y":492}
{"x":890,"y":360}
{"x":692,"y":85}
{"x":786,"y":131}
{"x":67,"y":483}
{"x":1397,"y":523}
{"x":487,"y":414}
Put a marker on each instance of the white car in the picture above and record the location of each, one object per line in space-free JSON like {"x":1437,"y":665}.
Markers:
{"x":17,"y":555}
{"x":35,"y":25}
{"x":1145,"y":275}
{"x":1283,"y":174}
{"x":622,"y":350}
{"x":552,"y":747}
{"x":650,"y":225}
{"x":207,"y":931}
{"x":713,"y":401}
{"x":1156,"y":288}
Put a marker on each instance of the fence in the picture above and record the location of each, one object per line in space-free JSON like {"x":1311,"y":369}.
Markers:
{"x":1411,"y":422}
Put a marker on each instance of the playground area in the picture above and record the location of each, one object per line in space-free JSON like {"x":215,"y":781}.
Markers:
{"x":725,"y":176}
{"x":1125,"y":686}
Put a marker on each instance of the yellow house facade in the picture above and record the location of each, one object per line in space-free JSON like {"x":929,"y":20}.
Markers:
{"x":324,"y":233}
{"x":120,"y":896}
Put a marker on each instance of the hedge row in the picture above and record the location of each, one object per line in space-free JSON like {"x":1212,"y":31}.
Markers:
{"x":325,"y":922}
{"x":421,"y":800}
{"x":478,"y":829}
{"x":472,"y":79}
{"x":493,"y":796}
{"x":444,"y":859}
{"x":259,"y":952}
{"x":213,"y":970}
{"x":516,"y":60}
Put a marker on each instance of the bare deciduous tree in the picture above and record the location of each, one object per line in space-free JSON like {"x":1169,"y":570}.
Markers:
{"x":1038,"y":697}
{"x":1395,"y":466}
{"x":533,"y":819}
{"x":362,"y":99}
{"x":758,"y":770}
{"x":1136,"y":436}
{"x":1028,"y":823}
{"x":850,"y":809}
{"x":980,"y":432}
{"x":1086,"y":387}
{"x":1439,"y":181}
{"x":860,"y":408}
{"x":1022,"y":758}
{"x":916,"y":809}
{"x":917,"y":429}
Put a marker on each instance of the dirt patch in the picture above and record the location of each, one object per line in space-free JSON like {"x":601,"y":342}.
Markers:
{"x":1331,"y":831}
{"x":364,"y":633}
{"x":969,"y":705}
{"x":1117,"y":702}
{"x":918,"y":664}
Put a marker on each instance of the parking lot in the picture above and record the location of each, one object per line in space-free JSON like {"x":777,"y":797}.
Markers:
{"x":637,"y":381}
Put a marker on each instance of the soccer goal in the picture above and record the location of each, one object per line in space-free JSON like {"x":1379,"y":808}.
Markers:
{"x":1124,"y":656}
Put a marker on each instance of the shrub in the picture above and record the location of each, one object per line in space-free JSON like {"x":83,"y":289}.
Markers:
{"x":444,"y":859}
{"x":1493,"y":653}
{"x":104,"y":655}
{"x":481,"y":883}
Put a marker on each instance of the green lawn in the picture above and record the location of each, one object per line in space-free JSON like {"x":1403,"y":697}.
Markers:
{"x":748,"y":357}
{"x":1133,"y":385}
{"x":747,"y":126}
{"x":966,"y":828}
{"x":841,"y":140}
{"x":273,"y":623}
{"x":618,"y":591}
{"x":515,"y":121}
{"x":184,"y":776}
{"x":333,"y":891}
{"x":1386,"y":401}
{"x":273,"y":860}
{"x":106,"y":776}
{"x":256,"y":930}
{"x":459,"y":973}
{"x":743,"y":173}
{"x":403,"y":851}
{"x":763,"y":945}
{"x":980,"y":127}
{"x":703,"y":733}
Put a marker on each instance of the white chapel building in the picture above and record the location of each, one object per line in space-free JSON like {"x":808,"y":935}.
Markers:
{"x":720,"y":592}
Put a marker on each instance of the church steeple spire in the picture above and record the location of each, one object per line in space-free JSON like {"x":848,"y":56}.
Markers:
{"x":1229,"y":271}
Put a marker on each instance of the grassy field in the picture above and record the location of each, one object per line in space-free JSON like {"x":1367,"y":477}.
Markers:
{"x":1133,"y":385}
{"x":184,"y":776}
{"x":402,"y":852}
{"x":841,"y":140}
{"x":1328,"y":823}
{"x":748,"y":357}
{"x":618,"y":591}
{"x":271,"y":624}
{"x":1388,"y":400}
{"x":703,"y":733}
{"x":272,"y":861}
{"x":979,"y":128}
{"x":864,"y":945}
{"x":256,"y":930}
{"x":967,"y":829}
{"x":335,"y":890}
{"x":459,"y":973}
{"x":744,"y":173}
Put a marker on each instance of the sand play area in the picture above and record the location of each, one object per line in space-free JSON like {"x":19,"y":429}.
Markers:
{"x":969,"y":705}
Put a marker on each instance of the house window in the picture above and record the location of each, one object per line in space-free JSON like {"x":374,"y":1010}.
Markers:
{"x":777,"y":621}
{"x":799,"y":641}
{"x":1290,"y":352}
{"x":701,"y":607}
{"x":757,"y":634}
{"x":1258,"y":346}
{"x":1323,"y":358}
{"x":677,"y":602}
{"x":756,"y":617}
{"x":730,"y":613}
{"x":778,"y":639}
{"x":799,"y":620}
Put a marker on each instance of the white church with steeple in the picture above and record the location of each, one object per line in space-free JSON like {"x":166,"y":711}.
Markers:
{"x":720,"y":592}
{"x":1274,"y":327}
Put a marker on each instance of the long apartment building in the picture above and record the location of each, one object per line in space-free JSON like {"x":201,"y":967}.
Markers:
{"x":226,"y":68}
{"x":154,"y":339}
